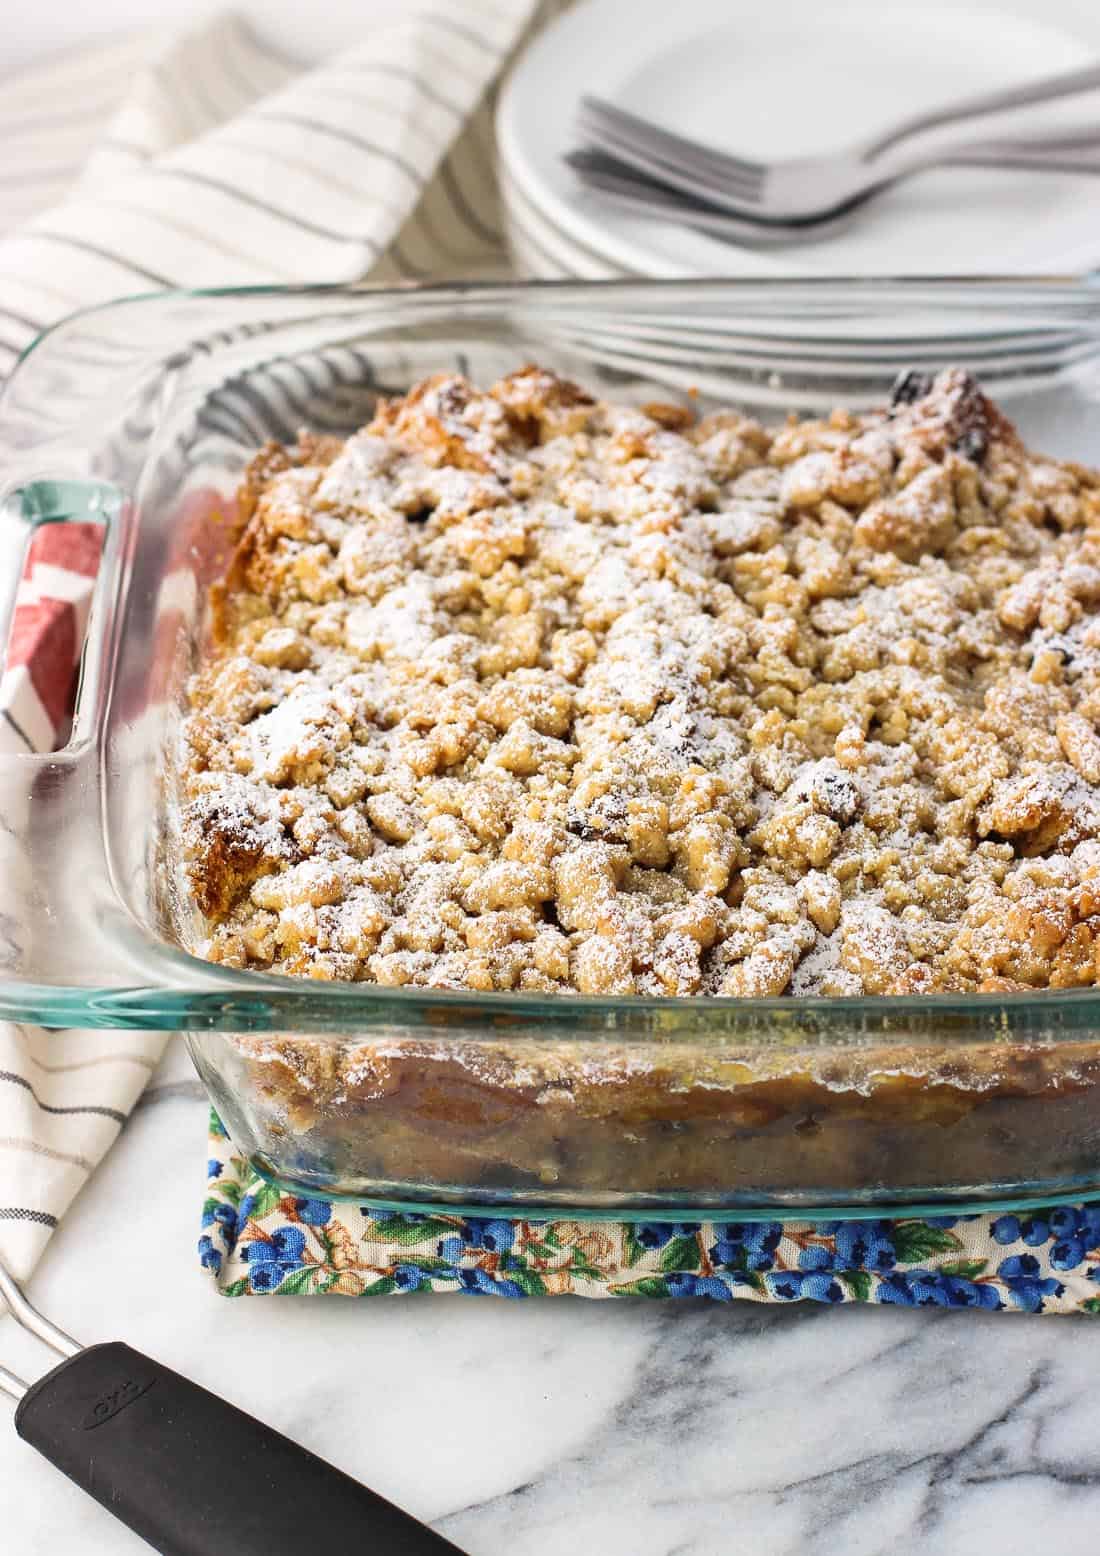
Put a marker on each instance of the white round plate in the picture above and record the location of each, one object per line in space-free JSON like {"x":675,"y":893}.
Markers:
{"x":790,"y":78}
{"x":543,"y":250}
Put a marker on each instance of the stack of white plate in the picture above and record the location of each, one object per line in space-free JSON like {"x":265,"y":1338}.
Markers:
{"x":784,"y":79}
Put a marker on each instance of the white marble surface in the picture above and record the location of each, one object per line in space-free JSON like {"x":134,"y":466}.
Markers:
{"x":621,"y":1429}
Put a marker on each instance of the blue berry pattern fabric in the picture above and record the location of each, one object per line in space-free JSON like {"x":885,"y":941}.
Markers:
{"x":258,"y":1241}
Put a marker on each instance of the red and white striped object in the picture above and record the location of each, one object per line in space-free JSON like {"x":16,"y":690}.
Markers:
{"x":47,"y":634}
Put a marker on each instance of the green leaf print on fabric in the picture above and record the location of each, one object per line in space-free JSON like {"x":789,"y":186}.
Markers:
{"x":407,"y":1231}
{"x":969,"y":1269}
{"x":858,"y":1283}
{"x":682,"y":1253}
{"x":915,"y":1241}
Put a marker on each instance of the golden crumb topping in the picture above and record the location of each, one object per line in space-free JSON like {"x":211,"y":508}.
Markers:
{"x":522,"y":690}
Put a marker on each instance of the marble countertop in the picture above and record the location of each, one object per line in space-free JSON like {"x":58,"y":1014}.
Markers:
{"x":626,"y":1428}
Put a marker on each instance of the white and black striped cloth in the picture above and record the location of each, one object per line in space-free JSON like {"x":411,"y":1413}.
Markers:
{"x":209,"y":159}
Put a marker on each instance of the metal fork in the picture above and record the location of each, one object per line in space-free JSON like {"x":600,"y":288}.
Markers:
{"x":638,"y":195}
{"x":801,"y":189}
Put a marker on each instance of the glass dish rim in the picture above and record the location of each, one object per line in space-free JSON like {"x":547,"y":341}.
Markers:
{"x":1045,"y":284}
{"x":185,"y":992}
{"x":706,"y":1215}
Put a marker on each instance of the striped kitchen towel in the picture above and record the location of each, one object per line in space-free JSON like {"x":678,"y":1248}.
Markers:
{"x":63,"y":1095}
{"x":205,"y":159}
{"x":211,"y":160}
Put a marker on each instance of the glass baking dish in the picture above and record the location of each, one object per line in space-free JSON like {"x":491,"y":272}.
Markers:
{"x":142,"y":415}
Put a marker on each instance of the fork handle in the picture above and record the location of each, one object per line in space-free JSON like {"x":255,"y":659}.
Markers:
{"x":1049,"y":89}
{"x":1064,"y":151}
{"x":195,"y":1476}
{"x":1067,"y":161}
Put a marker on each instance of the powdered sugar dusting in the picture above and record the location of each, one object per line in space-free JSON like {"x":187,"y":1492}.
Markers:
{"x":523,"y":691}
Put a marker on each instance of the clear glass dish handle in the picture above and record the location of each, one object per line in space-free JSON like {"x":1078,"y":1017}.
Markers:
{"x":56,"y":904}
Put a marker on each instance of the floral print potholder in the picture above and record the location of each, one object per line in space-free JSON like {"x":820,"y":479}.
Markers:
{"x":258,"y":1241}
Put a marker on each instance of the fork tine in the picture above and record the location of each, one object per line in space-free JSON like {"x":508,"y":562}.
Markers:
{"x":730,"y":189}
{"x":636,"y":199}
{"x":600,"y":171}
{"x":647,"y":133}
{"x":654,"y":136}
{"x":719,"y":185}
{"x":671,"y":155}
{"x":724,"y":196}
{"x":603,"y":129}
{"x":622,"y":186}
